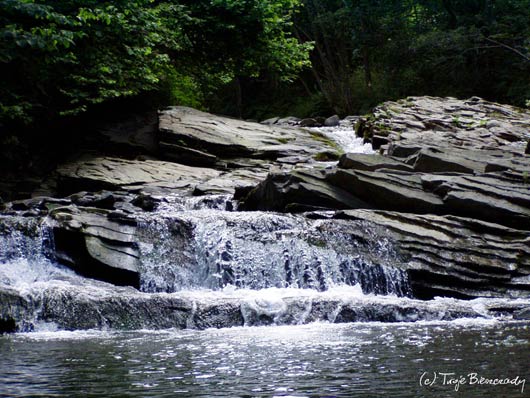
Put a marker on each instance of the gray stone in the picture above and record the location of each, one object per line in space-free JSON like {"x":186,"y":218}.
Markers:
{"x":298,"y":190}
{"x":332,"y":121}
{"x":97,"y":173}
{"x":309,"y":122}
{"x":381,"y":190}
{"x":454,"y":256}
{"x":272,"y":120}
{"x":358,"y":161}
{"x":206,"y":135}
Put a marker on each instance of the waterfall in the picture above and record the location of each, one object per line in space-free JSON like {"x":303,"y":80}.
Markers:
{"x":344,"y":136}
{"x":213,"y":249}
{"x":26,"y":252}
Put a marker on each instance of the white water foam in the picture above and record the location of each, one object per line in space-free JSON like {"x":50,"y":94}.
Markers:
{"x":344,"y":136}
{"x":22,"y":274}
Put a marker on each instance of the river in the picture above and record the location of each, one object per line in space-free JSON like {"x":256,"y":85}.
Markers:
{"x":315,"y":360}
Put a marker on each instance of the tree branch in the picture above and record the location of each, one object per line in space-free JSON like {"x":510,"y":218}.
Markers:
{"x":508,"y":48}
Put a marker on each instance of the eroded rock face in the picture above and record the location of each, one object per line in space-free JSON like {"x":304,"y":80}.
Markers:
{"x":455,"y":256}
{"x":453,"y":186}
{"x":96,"y":245}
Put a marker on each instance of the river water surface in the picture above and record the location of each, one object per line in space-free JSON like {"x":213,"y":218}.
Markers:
{"x":315,"y":360}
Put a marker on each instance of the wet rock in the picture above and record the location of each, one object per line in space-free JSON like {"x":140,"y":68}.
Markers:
{"x":309,"y":122}
{"x":359,"y":161}
{"x":146,"y":202}
{"x":97,"y":246}
{"x":107,"y":307}
{"x":454,"y":256}
{"x":332,"y":121}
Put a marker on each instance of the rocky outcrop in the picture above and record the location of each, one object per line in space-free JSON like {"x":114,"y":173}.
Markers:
{"x":434,"y":164}
{"x":455,"y":256}
{"x":449,"y":123}
{"x":450,"y":188}
{"x":203,"y":154}
{"x":442,"y":210}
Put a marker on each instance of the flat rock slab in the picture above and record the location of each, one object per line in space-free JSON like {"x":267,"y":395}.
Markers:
{"x":223,"y":137}
{"x":104,"y":306}
{"x":94,"y":173}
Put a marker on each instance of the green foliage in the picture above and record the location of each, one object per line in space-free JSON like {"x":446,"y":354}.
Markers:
{"x":179,"y":89}
{"x":367,"y":51}
{"x":63,"y":57}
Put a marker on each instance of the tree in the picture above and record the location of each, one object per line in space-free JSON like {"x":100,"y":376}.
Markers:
{"x":63,"y":57}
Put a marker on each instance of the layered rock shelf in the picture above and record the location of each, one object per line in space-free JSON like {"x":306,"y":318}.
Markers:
{"x":448,"y":191}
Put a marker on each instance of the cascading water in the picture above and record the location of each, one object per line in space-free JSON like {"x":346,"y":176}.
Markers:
{"x":213,"y":249}
{"x":26,"y":252}
{"x":343,"y":135}
{"x":201,"y":264}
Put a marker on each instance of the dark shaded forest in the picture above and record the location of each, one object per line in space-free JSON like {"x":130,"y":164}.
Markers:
{"x":63,"y":60}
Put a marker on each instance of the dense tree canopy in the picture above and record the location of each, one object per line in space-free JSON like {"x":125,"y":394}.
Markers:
{"x":371,"y":50}
{"x":60,"y":57}
{"x":248,"y":57}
